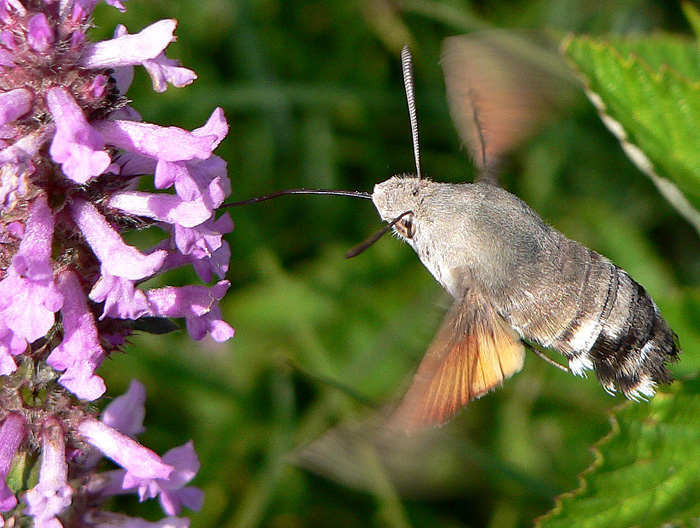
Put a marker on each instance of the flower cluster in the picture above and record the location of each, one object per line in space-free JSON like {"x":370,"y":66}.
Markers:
{"x":72,"y":157}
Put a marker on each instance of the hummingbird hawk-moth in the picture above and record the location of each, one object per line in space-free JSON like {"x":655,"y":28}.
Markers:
{"x":513,"y":277}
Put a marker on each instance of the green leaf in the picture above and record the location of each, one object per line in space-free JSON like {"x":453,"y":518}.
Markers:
{"x":647,"y":470}
{"x":692,"y":14}
{"x":648,"y":94}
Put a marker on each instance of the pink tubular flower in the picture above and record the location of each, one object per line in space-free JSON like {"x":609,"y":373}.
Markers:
{"x":116,"y":257}
{"x":76,"y":144}
{"x":198,"y":305}
{"x":173,"y":492}
{"x":132,"y":456}
{"x":28,"y":296}
{"x":144,"y":472}
{"x":80,"y":352}
{"x":73,"y":155}
{"x":52,"y":495}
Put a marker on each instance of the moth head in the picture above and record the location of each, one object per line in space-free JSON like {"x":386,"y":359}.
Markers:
{"x":400,"y":196}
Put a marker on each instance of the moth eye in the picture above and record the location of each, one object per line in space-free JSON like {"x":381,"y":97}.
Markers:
{"x":405,"y":226}
{"x":415,"y":191}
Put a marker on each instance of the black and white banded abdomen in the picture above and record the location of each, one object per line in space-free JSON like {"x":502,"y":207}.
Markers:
{"x":634,"y":342}
{"x":599,"y":318}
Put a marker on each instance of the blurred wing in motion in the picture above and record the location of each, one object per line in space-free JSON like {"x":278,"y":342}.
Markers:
{"x":473,"y":352}
{"x":500,"y":88}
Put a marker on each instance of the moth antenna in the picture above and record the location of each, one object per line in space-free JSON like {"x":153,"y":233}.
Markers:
{"x":354,"y":194}
{"x":407,"y":68}
{"x":547,"y":359}
{"x":362,"y":246}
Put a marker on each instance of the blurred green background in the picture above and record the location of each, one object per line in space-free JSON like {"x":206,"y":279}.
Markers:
{"x":282,"y":415}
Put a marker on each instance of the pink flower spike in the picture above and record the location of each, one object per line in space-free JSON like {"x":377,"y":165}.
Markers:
{"x":77,"y":146}
{"x":167,"y":143}
{"x":52,"y":495}
{"x":40,"y":36}
{"x":162,"y":207}
{"x":12,"y":432}
{"x":126,"y":413}
{"x":14,"y":104}
{"x":126,"y":452}
{"x":80,"y":352}
{"x":130,"y":50}
{"x":117,"y":258}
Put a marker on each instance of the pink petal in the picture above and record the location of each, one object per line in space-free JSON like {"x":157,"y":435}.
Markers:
{"x":28,"y":295}
{"x":126,"y":413}
{"x":122,"y":300}
{"x":14,"y":104}
{"x":202,"y":180}
{"x":52,"y":495}
{"x":167,"y":143}
{"x":33,"y":258}
{"x":7,"y":362}
{"x":125,"y":451}
{"x":163,"y":70}
{"x":10,"y":345}
{"x":12,"y":432}
{"x":197,"y":304}
{"x":87,"y":6}
{"x":162,"y":207}
{"x":216,"y":125}
{"x":117,"y":258}
{"x":40,"y":36}
{"x":129,"y":50}
{"x":80,"y":352}
{"x":77,"y":146}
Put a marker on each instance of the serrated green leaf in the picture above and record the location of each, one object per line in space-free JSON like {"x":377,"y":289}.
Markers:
{"x":647,"y":470}
{"x":648,"y":93}
{"x":680,"y":54}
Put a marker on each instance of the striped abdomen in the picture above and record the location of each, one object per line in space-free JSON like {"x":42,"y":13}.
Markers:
{"x":599,"y":318}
